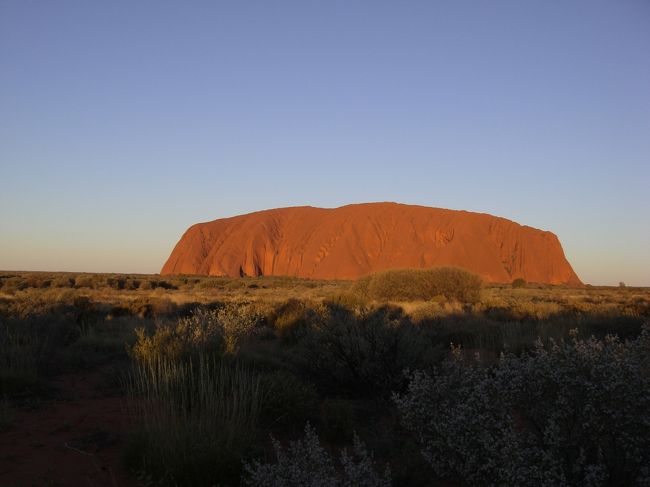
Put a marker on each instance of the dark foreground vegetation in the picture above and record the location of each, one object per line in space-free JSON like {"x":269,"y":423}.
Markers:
{"x":404,"y":378}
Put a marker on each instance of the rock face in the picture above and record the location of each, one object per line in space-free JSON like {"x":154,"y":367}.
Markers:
{"x":353,"y":240}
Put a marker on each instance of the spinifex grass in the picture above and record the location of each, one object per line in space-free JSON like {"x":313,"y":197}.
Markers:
{"x":21,"y":351}
{"x":195,"y":420}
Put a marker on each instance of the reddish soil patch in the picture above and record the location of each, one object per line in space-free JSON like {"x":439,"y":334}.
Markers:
{"x":73,"y":440}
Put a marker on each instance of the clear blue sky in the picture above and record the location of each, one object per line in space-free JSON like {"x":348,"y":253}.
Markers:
{"x":123,"y":122}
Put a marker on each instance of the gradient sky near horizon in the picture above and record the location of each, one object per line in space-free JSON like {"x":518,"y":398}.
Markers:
{"x":122,"y":122}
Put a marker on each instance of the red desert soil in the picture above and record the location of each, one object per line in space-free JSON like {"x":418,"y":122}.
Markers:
{"x":354,"y":240}
{"x":74,"y":440}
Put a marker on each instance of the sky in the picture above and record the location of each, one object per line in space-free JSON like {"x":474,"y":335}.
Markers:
{"x":122,"y":123}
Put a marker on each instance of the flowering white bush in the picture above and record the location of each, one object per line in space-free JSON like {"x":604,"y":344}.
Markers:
{"x":572,"y":413}
{"x":307,"y":464}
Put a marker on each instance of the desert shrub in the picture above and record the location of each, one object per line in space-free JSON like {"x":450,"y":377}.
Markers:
{"x":183,"y":282}
{"x":288,"y":400}
{"x":32,"y":336}
{"x":198,"y":333}
{"x":292,"y":319}
{"x":146,"y":285}
{"x":150,"y":307}
{"x":362,"y":355}
{"x":116,"y":283}
{"x":519,"y":282}
{"x":235,"y":284}
{"x":419,"y":285}
{"x":239,"y":322}
{"x":215,"y":331}
{"x":194,"y":421}
{"x":63,"y":281}
{"x":13,"y":284}
{"x":38,"y":281}
{"x":307,"y":464}
{"x":214,"y":283}
{"x":350,"y":299}
{"x":132,"y":284}
{"x":571,"y":413}
{"x":84,"y":281}
{"x":428,"y":311}
{"x":141,"y":307}
{"x":165,"y":285}
{"x":337,"y":418}
{"x":22,"y":353}
{"x":100,"y":342}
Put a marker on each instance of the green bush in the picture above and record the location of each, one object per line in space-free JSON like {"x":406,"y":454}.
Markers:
{"x":419,"y":285}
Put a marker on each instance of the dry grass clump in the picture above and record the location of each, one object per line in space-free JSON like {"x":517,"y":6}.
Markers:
{"x":419,"y":285}
{"x":21,"y":358}
{"x":194,"y":420}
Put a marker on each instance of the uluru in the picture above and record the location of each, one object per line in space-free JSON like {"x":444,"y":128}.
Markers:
{"x":355,"y":240}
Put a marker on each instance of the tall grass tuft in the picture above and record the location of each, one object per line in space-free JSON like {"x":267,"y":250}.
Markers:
{"x":6,"y":414}
{"x":21,"y":355}
{"x":195,"y":420}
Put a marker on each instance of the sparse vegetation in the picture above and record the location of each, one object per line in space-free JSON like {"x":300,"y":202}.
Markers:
{"x":419,"y":285}
{"x":217,"y":365}
{"x":308,"y":464}
{"x":6,"y":414}
{"x":571,"y":413}
{"x":365,"y":352}
{"x":194,"y":420}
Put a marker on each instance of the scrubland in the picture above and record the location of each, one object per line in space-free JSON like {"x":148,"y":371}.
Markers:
{"x":403,"y":378}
